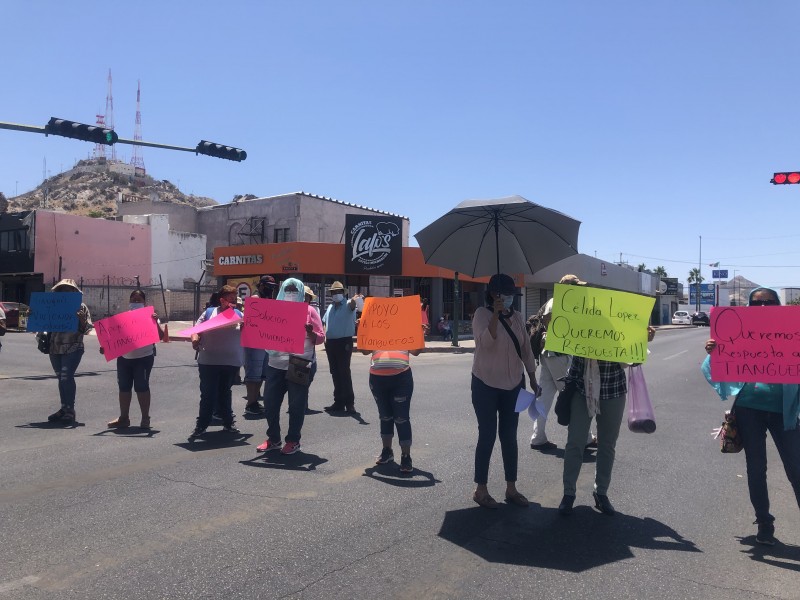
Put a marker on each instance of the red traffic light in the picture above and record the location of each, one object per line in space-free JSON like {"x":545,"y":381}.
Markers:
{"x":789,"y":177}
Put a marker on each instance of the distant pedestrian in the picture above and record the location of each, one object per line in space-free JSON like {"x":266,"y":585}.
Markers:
{"x":2,"y":324}
{"x":280,"y":382}
{"x":445,"y":329}
{"x":762,"y":408}
{"x":257,"y":359}
{"x":218,"y":361}
{"x":66,"y":351}
{"x":133,"y":373}
{"x":340,"y":327}
{"x":502,"y":356}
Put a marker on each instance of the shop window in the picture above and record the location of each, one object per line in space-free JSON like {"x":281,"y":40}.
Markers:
{"x":280,"y":235}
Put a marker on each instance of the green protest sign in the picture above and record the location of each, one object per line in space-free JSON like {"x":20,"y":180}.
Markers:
{"x":599,"y":324}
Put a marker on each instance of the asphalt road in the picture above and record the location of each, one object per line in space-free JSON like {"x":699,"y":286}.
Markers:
{"x":92,"y":513}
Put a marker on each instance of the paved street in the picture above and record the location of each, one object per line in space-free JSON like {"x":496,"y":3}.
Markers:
{"x":93,"y":513}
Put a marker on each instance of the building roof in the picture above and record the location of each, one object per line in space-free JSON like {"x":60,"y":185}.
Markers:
{"x":302,"y":193}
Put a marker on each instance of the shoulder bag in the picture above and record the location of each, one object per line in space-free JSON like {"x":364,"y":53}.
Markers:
{"x":730,"y":440}
{"x":43,"y":341}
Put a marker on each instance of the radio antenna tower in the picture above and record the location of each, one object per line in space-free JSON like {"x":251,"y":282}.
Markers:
{"x":100,"y":149}
{"x":109,"y":116}
{"x":137,"y":160}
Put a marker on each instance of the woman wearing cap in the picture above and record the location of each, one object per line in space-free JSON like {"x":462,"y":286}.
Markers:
{"x":133,"y":373}
{"x":502,"y":355}
{"x":278,"y":384}
{"x":66,"y":351}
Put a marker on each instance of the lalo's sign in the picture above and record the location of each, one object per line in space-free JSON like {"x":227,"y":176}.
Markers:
{"x":374,"y":245}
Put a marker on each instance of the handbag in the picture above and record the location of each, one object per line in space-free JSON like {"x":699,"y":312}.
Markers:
{"x":299,"y":370}
{"x":730,"y":440}
{"x":563,"y":407}
{"x":641,"y":418}
{"x":43,"y":341}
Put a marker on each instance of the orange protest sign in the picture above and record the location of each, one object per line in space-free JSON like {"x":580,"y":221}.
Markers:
{"x":391,"y":324}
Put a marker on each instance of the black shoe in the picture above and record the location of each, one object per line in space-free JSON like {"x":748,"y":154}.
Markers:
{"x":254,"y":409}
{"x":350,"y":409}
{"x":565,"y":508}
{"x":68,"y":416}
{"x":406,"y":466}
{"x":766,"y":534}
{"x":335,"y":407}
{"x":56,"y":416}
{"x":196,"y":433}
{"x":230,"y":429}
{"x":387,"y":455}
{"x":603,"y":504}
{"x":545,"y":447}
{"x":591,"y":445}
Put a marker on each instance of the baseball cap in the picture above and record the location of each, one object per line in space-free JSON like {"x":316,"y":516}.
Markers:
{"x":571,"y":280}
{"x":267,"y":280}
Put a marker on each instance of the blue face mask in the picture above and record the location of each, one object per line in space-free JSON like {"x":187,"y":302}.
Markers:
{"x":135,"y":305}
{"x":507,"y":301}
{"x":291,"y":296}
{"x":338,"y":297}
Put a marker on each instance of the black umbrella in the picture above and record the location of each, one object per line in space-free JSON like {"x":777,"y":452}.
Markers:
{"x":506,"y":235}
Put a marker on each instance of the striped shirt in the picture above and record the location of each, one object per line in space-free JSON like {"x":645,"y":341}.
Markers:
{"x":389,"y":362}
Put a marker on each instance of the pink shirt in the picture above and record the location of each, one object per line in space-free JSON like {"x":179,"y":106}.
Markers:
{"x":496,"y":362}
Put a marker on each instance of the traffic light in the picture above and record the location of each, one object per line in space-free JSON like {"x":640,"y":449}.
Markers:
{"x":81,"y":131}
{"x":220,"y":151}
{"x":789,"y":177}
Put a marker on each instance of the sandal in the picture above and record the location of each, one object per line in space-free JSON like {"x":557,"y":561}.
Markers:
{"x":145,"y":424}
{"x":119,"y":422}
{"x":485,"y":501}
{"x":518,"y":499}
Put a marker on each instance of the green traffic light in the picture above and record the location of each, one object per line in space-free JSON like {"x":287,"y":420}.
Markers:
{"x":109,"y":137}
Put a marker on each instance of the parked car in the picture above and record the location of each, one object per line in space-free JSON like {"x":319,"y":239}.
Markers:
{"x":681,"y":317}
{"x":12,"y":310}
{"x":700,"y":319}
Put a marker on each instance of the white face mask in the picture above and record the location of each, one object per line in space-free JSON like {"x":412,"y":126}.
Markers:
{"x":507,"y":301}
{"x":291,"y":296}
{"x":135,"y":305}
{"x":338,"y":297}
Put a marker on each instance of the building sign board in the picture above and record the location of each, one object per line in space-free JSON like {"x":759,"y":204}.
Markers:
{"x":374,"y":245}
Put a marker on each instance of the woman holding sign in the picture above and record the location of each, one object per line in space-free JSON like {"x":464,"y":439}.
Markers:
{"x":762,"y":407}
{"x":292,"y":374}
{"x":133,"y":373}
{"x":66,"y":351}
{"x":502,"y":355}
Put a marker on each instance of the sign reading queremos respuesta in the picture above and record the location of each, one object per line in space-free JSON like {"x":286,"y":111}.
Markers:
{"x":374,"y":244}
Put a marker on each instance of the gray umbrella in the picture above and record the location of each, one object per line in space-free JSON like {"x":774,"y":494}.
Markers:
{"x":507,"y":235}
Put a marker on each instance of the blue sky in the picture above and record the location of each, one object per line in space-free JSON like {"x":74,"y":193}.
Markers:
{"x":652,"y":123}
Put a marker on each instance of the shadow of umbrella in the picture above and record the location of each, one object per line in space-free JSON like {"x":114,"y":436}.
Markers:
{"x":583,"y":541}
{"x":507,"y":235}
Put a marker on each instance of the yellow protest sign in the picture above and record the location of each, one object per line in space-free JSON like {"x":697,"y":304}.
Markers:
{"x":599,"y":324}
{"x":391,"y":324}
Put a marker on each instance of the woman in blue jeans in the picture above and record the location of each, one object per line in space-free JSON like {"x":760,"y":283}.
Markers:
{"x":66,"y":351}
{"x":763,"y":407}
{"x":502,"y":355}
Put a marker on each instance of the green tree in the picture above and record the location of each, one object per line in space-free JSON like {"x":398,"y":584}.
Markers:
{"x":695,"y":277}
{"x":661,"y":272}
{"x":642,"y":268}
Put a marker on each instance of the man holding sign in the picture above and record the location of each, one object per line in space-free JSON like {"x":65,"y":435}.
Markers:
{"x":340,"y":327}
{"x":603,"y":330}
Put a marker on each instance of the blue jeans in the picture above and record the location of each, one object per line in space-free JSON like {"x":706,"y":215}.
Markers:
{"x":65,"y":366}
{"x":392,"y":394}
{"x":274,"y":389}
{"x":215,"y":390}
{"x":753,"y":427}
{"x":494,"y":409}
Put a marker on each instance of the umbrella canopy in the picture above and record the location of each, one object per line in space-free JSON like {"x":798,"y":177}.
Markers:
{"x":507,"y":235}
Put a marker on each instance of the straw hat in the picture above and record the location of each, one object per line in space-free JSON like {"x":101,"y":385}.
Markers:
{"x":309,"y":292}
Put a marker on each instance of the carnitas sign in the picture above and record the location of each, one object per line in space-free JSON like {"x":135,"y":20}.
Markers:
{"x":374,"y":245}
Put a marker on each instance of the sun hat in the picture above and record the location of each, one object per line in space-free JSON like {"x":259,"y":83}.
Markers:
{"x":571,"y":280}
{"x":500,"y":283}
{"x":67,"y":283}
{"x":309,"y":292}
{"x":337,"y":286}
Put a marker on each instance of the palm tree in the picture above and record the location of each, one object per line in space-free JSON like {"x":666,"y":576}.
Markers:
{"x":642,"y":268}
{"x":661,"y":272}
{"x":696,"y":277}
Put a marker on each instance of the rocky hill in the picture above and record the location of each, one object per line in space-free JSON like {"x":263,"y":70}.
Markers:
{"x":92,"y":188}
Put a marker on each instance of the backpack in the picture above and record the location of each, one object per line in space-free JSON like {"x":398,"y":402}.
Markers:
{"x":536,"y":330}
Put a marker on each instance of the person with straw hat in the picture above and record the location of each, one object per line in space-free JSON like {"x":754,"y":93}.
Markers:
{"x":65,"y":351}
{"x":340,"y":327}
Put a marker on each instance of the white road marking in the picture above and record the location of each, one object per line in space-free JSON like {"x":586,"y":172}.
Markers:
{"x":18,"y":583}
{"x":674,"y":355}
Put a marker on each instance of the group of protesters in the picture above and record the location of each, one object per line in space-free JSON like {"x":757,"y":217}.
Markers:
{"x":597,"y":389}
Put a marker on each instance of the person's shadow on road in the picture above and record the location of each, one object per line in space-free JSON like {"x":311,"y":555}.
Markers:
{"x":390,"y":474}
{"x":299,"y":461}
{"x":784,"y":556}
{"x":128,"y":432}
{"x":582,"y":541}
{"x":51,"y":425}
{"x":215,"y":440}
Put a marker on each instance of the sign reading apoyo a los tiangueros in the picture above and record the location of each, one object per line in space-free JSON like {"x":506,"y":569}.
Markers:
{"x":374,"y":245}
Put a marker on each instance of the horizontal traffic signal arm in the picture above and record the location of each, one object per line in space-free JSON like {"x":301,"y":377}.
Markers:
{"x":786,"y":178}
{"x":81,"y":131}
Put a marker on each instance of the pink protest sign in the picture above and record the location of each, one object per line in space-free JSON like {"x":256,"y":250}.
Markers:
{"x":756,"y":344}
{"x":226,"y":318}
{"x":274,"y":324}
{"x":126,"y":331}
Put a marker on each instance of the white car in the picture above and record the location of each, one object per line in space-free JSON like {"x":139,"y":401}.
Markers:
{"x":681,"y":317}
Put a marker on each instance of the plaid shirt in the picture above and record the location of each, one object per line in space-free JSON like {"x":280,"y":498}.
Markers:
{"x":612,"y":377}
